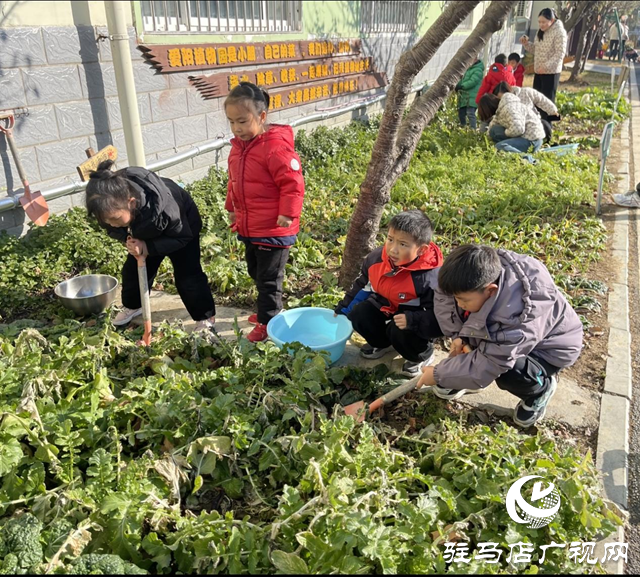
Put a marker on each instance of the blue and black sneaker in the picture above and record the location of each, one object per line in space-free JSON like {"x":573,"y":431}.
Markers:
{"x":530,"y":411}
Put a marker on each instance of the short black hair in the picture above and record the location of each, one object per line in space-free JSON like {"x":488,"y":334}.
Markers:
{"x":501,"y":88}
{"x":501,"y":59}
{"x":470,"y":267}
{"x":108,"y":191}
{"x":487,"y":107}
{"x":413,"y":222}
{"x":247,"y":92}
{"x":514,"y":56}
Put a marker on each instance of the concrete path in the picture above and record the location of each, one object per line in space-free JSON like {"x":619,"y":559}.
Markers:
{"x":571,"y":405}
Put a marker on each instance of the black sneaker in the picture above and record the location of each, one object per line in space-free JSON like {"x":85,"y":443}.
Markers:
{"x":412,"y":369}
{"x":530,"y":411}
{"x":369,"y":352}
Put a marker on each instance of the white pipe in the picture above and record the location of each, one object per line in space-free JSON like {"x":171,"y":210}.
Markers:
{"x":11,"y":202}
{"x":127,"y":98}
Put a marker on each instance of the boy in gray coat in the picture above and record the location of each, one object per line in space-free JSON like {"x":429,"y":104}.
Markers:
{"x":509,"y":322}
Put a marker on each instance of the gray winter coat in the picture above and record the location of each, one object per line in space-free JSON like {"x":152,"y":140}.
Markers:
{"x":528,"y":314}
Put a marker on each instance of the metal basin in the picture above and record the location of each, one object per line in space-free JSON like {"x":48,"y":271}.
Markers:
{"x":88,"y":294}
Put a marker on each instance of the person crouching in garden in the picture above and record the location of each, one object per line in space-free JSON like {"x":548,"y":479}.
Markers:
{"x":522,"y":125}
{"x":391,"y":302}
{"x":154,"y":217}
{"x":509,"y":322}
{"x":531,"y":98}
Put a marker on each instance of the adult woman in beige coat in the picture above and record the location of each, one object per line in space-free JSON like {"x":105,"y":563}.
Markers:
{"x":548,"y":49}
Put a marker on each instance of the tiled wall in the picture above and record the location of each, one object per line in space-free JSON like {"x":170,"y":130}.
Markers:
{"x":64,"y":78}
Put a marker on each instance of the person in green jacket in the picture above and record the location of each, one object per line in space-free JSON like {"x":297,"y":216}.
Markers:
{"x":467,"y":90}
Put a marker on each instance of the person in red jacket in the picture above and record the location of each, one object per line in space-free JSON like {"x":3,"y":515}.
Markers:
{"x":498,"y":72}
{"x":517,"y":67}
{"x":264,"y":197}
{"x":391,"y":303}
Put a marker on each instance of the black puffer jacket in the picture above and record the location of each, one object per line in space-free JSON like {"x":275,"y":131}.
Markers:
{"x":168,"y":218}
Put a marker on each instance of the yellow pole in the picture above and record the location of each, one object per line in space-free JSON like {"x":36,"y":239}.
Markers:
{"x":119,"y":38}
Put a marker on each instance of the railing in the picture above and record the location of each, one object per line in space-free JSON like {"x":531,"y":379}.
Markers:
{"x":386,"y":16}
{"x":232,"y":16}
{"x":12,"y":202}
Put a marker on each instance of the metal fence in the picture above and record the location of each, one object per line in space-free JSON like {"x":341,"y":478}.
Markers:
{"x":385,"y":16}
{"x":222,"y":16}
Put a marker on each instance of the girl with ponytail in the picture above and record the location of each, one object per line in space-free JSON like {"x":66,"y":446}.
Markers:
{"x":154,"y":217}
{"x":264,"y":198}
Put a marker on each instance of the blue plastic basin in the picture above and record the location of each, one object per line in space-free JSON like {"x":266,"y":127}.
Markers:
{"x":313,"y":327}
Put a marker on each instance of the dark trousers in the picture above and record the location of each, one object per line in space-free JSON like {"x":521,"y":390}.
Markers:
{"x":191,"y":282}
{"x":467,"y":112}
{"x":266,"y":268}
{"x":528,"y":379}
{"x":380,"y":331}
{"x":613,"y":49}
{"x":548,"y":85}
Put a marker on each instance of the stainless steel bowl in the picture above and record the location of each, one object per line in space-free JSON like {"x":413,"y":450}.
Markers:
{"x":88,"y":294}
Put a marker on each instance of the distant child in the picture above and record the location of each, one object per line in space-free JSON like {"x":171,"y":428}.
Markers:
{"x":153,"y":217}
{"x":517,"y":67}
{"x":391,"y":302}
{"x":467,"y":89}
{"x":509,"y":322}
{"x":264,"y":198}
{"x":498,"y":72}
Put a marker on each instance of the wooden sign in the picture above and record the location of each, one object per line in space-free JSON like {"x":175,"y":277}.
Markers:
{"x":221,"y":84}
{"x":295,"y":96}
{"x":88,"y":166}
{"x":182,"y":57}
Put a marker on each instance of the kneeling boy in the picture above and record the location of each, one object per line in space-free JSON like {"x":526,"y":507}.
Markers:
{"x":391,"y":302}
{"x":520,"y":328}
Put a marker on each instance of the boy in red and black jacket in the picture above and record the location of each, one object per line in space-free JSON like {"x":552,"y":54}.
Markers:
{"x":391,"y":302}
{"x":498,"y":72}
{"x":517,"y":67}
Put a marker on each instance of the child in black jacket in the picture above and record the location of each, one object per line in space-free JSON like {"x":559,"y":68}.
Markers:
{"x":153,"y":217}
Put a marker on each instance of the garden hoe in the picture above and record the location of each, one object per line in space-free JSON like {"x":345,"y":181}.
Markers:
{"x":34,"y":204}
{"x":144,"y":298}
{"x":359,"y":410}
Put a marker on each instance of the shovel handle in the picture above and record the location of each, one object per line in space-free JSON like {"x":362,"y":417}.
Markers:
{"x":144,"y":298}
{"x":8,"y":132}
{"x":396,"y":393}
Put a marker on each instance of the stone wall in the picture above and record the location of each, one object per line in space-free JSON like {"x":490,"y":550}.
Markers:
{"x":63,"y":77}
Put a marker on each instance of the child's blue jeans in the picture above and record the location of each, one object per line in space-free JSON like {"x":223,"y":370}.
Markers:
{"x":519,"y":145}
{"x":467,"y":112}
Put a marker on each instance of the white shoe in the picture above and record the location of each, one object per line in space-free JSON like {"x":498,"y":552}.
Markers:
{"x":125,"y":316}
{"x":205,"y":325}
{"x":629,"y":200}
{"x":412,"y":369}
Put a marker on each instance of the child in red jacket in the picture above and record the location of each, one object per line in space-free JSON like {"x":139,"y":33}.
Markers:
{"x":517,"y":67}
{"x":499,"y":72}
{"x":264,"y":196}
{"x":391,"y":303}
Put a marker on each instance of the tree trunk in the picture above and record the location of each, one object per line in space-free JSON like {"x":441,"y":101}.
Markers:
{"x":588,"y":21}
{"x":577,"y":15}
{"x":398,"y":138}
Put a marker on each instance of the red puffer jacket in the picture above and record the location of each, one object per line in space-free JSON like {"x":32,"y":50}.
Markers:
{"x":265,"y":181}
{"x":497,"y":73}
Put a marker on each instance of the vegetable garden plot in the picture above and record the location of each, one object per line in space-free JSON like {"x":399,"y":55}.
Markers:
{"x":217,"y":458}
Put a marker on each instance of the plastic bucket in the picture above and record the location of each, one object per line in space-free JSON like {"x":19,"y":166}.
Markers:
{"x":313,"y":327}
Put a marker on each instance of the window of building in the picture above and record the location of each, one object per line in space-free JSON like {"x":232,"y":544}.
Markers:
{"x":222,"y":16}
{"x":385,"y":16}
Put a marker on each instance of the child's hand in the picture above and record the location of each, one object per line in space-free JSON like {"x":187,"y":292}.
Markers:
{"x":232,"y":217}
{"x":284,"y":221}
{"x":456,"y":347}
{"x":427,"y":379}
{"x":401,"y":321}
{"x":137,"y":247}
